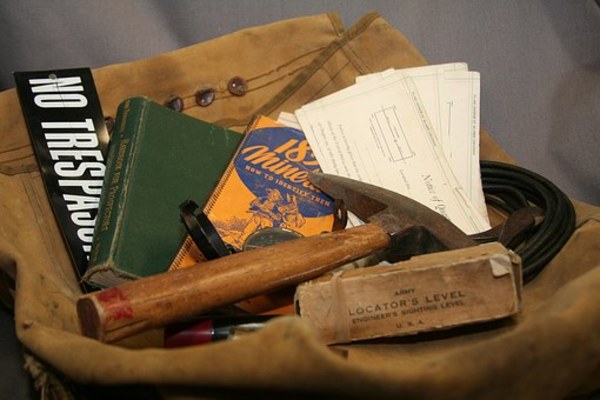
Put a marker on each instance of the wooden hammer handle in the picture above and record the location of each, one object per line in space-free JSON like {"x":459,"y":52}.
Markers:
{"x":116,"y":313}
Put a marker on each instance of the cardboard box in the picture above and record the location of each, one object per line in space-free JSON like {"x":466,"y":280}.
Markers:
{"x":425,"y":293}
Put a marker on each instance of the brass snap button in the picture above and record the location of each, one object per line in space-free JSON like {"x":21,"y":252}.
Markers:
{"x":205,"y":97}
{"x":174,"y":103}
{"x":237,"y":86}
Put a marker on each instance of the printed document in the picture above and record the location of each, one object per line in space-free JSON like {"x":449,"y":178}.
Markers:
{"x":450,"y":95}
{"x":378,"y":131}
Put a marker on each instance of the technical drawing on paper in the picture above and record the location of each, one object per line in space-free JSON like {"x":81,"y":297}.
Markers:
{"x":389,"y":136}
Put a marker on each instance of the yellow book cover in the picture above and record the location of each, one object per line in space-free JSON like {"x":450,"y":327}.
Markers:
{"x":265,"y":188}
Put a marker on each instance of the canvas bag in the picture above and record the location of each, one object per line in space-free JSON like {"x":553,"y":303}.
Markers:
{"x":551,"y":350}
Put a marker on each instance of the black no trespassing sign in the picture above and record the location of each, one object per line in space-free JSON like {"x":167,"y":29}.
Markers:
{"x":70,"y":139}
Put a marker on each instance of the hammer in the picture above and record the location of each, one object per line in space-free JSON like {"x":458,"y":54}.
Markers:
{"x":397,"y":227}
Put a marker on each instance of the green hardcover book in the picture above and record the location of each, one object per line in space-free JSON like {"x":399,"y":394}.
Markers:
{"x":157,"y":159}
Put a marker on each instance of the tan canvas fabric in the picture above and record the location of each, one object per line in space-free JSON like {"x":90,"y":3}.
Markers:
{"x":551,"y":350}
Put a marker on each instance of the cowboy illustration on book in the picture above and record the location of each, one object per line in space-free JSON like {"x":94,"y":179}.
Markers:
{"x":290,"y":212}
{"x":271,"y":210}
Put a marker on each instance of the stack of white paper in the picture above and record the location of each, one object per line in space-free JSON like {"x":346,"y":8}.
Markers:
{"x":414,"y":131}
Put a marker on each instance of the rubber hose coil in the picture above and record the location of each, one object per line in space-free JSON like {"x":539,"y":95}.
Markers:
{"x":509,"y":188}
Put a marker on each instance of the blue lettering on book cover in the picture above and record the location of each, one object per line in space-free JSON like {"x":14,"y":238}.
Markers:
{"x":274,"y":164}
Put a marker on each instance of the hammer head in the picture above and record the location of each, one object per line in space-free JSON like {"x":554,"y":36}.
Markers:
{"x":413,"y":227}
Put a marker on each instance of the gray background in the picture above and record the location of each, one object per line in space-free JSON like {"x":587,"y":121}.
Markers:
{"x":539,"y":63}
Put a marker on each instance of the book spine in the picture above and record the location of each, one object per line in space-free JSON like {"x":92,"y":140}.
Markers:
{"x":118,"y":169}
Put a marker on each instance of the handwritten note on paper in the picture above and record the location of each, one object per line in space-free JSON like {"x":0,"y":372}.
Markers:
{"x":379,"y":132}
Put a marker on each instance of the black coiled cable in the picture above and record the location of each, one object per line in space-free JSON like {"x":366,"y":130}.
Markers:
{"x":509,"y":188}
